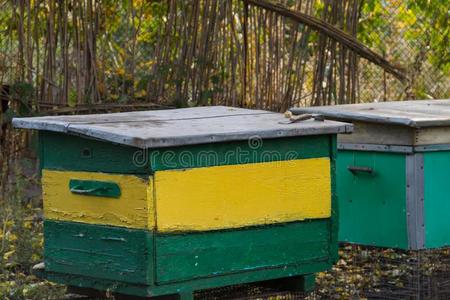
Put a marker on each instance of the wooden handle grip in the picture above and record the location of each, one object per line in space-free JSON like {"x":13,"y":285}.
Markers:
{"x":94,"y":188}
{"x":355,"y":169}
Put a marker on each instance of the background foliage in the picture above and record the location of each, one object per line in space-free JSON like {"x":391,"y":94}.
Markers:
{"x":73,"y":56}
{"x":209,"y":52}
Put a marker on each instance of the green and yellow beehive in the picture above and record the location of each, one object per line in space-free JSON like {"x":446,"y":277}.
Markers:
{"x":169,"y":202}
{"x":393,"y":173}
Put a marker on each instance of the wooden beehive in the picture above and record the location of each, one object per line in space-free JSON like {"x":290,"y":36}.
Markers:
{"x":393,"y":173}
{"x":168,"y":202}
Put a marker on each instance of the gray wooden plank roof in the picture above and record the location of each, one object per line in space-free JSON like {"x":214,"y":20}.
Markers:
{"x":416,"y":113}
{"x":163,"y":128}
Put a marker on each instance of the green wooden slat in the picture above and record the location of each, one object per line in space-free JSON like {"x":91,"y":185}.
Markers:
{"x":195,"y":255}
{"x":240,"y":152}
{"x":437,"y":199}
{"x":98,"y":251}
{"x":334,"y":221}
{"x":121,"y":255}
{"x":68,"y":152}
{"x":372,"y":207}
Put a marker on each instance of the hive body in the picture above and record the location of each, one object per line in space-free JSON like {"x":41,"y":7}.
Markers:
{"x":393,"y":173}
{"x":175,"y":219}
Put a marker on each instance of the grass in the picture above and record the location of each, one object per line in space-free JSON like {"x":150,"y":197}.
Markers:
{"x":21,"y":237}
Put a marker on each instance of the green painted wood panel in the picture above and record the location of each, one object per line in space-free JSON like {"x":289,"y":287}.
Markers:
{"x":125,"y":256}
{"x":102,"y":252}
{"x":437,"y":199}
{"x":334,"y":221}
{"x":372,"y":207}
{"x":240,"y":152}
{"x":195,"y":255}
{"x":68,"y":152}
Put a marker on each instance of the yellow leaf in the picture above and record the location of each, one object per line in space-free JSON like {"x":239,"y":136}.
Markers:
{"x":12,"y":237}
{"x":27,"y":224}
{"x":8,"y":254}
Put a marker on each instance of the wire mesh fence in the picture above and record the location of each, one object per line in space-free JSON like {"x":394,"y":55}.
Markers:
{"x":413,"y":34}
{"x":377,"y":273}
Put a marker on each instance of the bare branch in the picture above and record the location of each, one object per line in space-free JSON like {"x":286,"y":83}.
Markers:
{"x":332,"y":32}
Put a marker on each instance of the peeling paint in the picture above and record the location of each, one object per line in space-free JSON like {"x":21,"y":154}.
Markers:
{"x":130,"y":210}
{"x":245,"y":195}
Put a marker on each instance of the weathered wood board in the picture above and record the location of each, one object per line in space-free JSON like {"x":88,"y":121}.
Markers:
{"x":125,"y":259}
{"x":237,"y":196}
{"x":103,"y":252}
{"x":187,"y":126}
{"x":133,"y":209}
{"x":417,"y":113}
{"x":380,"y":134}
{"x":406,"y":123}
{"x":199,"y":199}
{"x":389,"y":134}
{"x":67,"y":152}
{"x":199,"y":255}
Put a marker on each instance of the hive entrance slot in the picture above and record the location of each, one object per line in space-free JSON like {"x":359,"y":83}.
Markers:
{"x":86,"y":153}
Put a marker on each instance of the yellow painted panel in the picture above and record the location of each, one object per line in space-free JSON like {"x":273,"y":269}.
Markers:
{"x":242,"y":195}
{"x":131,"y":210}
